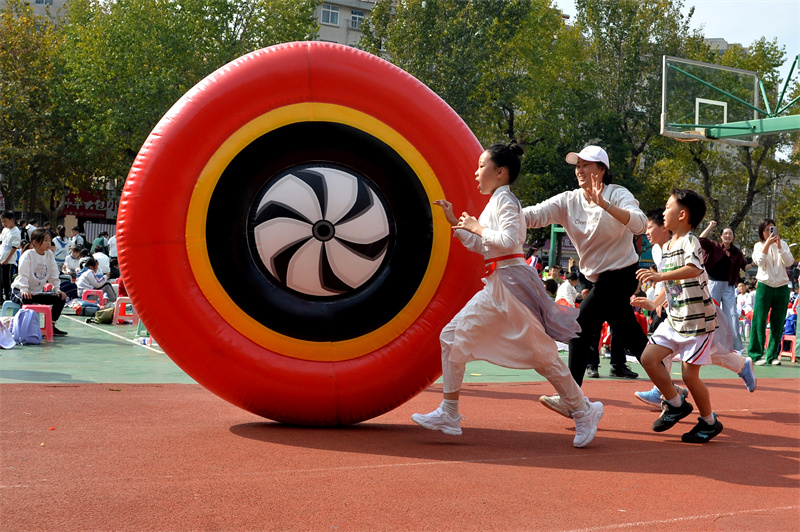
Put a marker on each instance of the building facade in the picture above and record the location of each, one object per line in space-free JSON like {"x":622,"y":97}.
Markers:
{"x":340,"y":20}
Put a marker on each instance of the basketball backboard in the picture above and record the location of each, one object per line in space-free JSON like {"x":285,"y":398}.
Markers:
{"x":699,"y":96}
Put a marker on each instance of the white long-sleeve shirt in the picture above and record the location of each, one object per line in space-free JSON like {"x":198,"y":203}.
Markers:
{"x":502,"y":211}
{"x":35,"y":271}
{"x":772,"y":264}
{"x":603,"y":243}
{"x":89,"y":280}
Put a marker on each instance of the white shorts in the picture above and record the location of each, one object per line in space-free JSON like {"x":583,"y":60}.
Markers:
{"x":691,"y":349}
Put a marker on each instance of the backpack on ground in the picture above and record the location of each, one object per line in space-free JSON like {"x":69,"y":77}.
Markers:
{"x":85,"y":308}
{"x":102,"y":316}
{"x":25,"y":327}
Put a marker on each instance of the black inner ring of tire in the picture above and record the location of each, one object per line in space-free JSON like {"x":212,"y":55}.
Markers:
{"x":239,"y":270}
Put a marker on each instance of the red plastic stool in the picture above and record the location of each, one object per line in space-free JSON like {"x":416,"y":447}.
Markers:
{"x":792,"y":340}
{"x":89,"y":295}
{"x":121,"y":312}
{"x":47,"y":312}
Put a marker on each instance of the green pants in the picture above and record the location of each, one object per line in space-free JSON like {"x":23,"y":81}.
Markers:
{"x":768,"y":299}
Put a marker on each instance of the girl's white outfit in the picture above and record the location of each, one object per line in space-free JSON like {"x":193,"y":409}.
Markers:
{"x":512,"y":322}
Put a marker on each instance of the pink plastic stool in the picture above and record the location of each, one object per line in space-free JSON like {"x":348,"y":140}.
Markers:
{"x":88,"y":295}
{"x":121,"y":312}
{"x":47,"y":311}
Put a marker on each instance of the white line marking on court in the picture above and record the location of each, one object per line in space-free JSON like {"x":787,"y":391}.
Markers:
{"x":134,"y":342}
{"x":683,"y":519}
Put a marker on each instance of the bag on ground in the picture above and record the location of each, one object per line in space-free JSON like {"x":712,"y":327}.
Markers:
{"x":85,"y":308}
{"x":102,"y":316}
{"x":25,"y":327}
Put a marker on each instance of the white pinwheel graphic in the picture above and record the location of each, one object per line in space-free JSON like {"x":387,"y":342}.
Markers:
{"x":321,"y":231}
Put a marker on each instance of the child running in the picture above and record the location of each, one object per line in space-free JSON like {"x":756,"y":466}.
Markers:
{"x":511,"y":322}
{"x":722,"y":352}
{"x":691,"y":320}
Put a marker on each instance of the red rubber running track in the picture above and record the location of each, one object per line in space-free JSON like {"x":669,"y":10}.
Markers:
{"x":176,"y":457}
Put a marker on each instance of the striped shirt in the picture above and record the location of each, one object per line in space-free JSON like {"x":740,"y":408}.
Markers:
{"x":691,"y":309}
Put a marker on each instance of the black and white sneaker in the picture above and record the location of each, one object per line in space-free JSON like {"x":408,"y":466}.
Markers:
{"x":702,"y":432}
{"x":671,"y":415}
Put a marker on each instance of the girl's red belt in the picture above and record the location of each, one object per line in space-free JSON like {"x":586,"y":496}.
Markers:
{"x":491,"y":264}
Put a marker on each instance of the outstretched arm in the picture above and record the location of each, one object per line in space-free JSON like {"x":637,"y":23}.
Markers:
{"x":711,"y":225}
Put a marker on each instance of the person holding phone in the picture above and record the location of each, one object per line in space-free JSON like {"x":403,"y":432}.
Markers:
{"x":772,"y":294}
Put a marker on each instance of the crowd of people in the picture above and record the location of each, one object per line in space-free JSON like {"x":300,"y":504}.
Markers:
{"x":42,"y":266}
{"x":690,"y":293}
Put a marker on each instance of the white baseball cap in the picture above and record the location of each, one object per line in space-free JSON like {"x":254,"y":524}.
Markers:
{"x":589,"y":153}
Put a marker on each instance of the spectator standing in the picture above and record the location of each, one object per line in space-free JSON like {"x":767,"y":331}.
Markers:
{"x":23,"y":231}
{"x":723,"y":263}
{"x":532,"y":259}
{"x":772,"y":294}
{"x":62,"y":245}
{"x":99,"y":244}
{"x":37,"y":267}
{"x":12,"y":241}
{"x":112,"y":247}
{"x":77,"y":239}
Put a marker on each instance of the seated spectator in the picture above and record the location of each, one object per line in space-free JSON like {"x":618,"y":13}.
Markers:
{"x":104,"y":262}
{"x":114,"y":268}
{"x":37,"y":267}
{"x":551,"y":287}
{"x":566,"y":293}
{"x":92,"y":280}
{"x":72,"y":262}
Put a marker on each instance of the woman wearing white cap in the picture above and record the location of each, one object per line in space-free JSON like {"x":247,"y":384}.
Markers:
{"x":601,"y":220}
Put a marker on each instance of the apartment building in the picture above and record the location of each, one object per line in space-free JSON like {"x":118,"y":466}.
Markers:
{"x":340,"y":20}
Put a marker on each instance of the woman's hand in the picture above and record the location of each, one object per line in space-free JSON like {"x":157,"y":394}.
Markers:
{"x":61,"y":294}
{"x":447,"y":207}
{"x":26,"y":294}
{"x":469,"y":223}
{"x":772,"y":239}
{"x":596,"y":191}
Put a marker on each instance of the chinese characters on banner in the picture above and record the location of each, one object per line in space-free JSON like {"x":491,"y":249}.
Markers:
{"x":88,"y":205}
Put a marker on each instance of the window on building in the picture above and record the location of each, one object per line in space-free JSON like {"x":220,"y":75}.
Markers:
{"x":44,"y":2}
{"x":356,"y":18}
{"x":330,"y":14}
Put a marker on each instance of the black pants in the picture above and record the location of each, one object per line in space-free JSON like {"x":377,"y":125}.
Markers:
{"x":5,"y":281}
{"x":608,"y":300}
{"x":52,"y":300}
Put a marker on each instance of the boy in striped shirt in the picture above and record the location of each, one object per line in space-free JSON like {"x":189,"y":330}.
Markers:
{"x":691,"y":319}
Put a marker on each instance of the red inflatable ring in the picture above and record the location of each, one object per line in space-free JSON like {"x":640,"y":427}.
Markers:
{"x":277,"y":236}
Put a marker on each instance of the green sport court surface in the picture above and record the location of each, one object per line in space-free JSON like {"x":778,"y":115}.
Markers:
{"x":93,"y":353}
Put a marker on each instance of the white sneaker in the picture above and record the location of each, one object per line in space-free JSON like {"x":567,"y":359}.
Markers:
{"x":586,"y":424}
{"x":439,"y":420}
{"x":553,"y":402}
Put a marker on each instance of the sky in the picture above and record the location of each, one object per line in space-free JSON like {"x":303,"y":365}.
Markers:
{"x":742,"y":22}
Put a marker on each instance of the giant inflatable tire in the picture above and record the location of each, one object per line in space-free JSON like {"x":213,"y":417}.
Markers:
{"x":278,"y":239}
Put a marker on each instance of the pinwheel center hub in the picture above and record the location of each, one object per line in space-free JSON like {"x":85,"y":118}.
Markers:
{"x":323,"y":230}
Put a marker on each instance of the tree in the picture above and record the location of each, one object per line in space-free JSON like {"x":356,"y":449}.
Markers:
{"x":627,"y":39}
{"x":29,"y":135}
{"x":511,"y":69}
{"x":128,"y":61}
